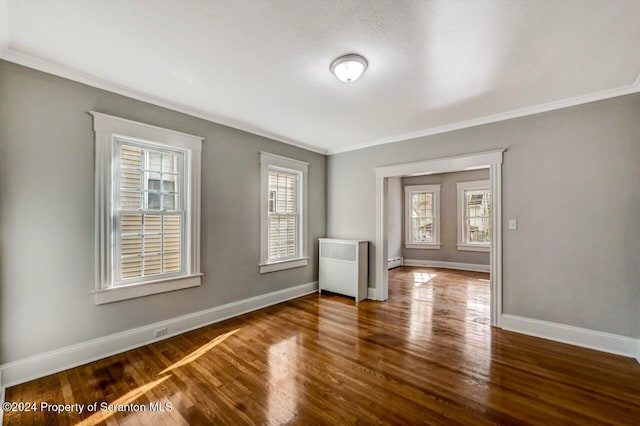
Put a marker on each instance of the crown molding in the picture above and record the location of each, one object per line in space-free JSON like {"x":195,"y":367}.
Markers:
{"x":521,"y":112}
{"x":90,"y":80}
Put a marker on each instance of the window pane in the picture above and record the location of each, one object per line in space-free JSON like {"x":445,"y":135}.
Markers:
{"x":131,"y":267}
{"x":131,"y":245}
{"x":152,"y":265}
{"x":282,"y":237}
{"x":172,"y":224}
{"x":131,"y":179}
{"x":171,"y":262}
{"x":169,"y":163}
{"x":421,"y":230}
{"x":422,"y":217}
{"x":153,"y":181}
{"x":477,"y":212}
{"x":154,"y":187}
{"x":131,"y":223}
{"x":153,"y":201}
{"x":283,"y":186}
{"x":130,"y":157}
{"x":172,"y":242}
{"x":272,"y":201}
{"x":152,"y":244}
{"x":168,"y":183}
{"x":155,"y":161}
{"x":169,"y":201}
{"x":152,"y":224}
{"x":130,"y":200}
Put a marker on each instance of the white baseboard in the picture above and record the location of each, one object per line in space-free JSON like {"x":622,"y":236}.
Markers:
{"x":448,"y":265}
{"x":41,"y":365}
{"x":371,"y":293}
{"x":598,"y":340}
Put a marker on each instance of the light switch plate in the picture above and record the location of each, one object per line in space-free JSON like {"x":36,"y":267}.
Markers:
{"x":513,"y":224}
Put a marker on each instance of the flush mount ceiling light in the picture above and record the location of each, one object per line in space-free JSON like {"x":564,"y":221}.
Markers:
{"x":349,"y":68}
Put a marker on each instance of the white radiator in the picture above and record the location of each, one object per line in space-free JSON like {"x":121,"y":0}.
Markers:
{"x":344,"y":267}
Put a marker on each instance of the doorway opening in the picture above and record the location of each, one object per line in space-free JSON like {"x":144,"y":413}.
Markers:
{"x":485,"y":160}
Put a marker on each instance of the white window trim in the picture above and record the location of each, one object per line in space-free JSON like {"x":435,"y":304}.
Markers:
{"x":408,"y":190}
{"x":107,"y":129}
{"x":268,"y":160}
{"x":461,"y":187}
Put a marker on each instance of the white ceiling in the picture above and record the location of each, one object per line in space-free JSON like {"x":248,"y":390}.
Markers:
{"x":263,"y":65}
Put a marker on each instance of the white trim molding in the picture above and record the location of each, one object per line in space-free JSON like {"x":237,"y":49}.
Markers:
{"x":110,"y":133}
{"x":34,"y":367}
{"x":584,"y":337}
{"x":33,"y":62}
{"x":371,"y":293}
{"x":425,"y":246}
{"x":502,"y":116}
{"x":114,"y":294}
{"x":301,"y":170}
{"x":447,"y":265}
{"x":489,"y":159}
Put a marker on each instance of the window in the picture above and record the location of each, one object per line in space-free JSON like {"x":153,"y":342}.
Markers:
{"x":149,"y":215}
{"x":283,"y":211}
{"x":422,"y":216}
{"x":474,"y":215}
{"x":147,"y":207}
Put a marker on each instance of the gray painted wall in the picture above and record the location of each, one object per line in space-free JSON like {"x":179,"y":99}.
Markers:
{"x":448,"y":218}
{"x":572,"y":179}
{"x":47,"y":215}
{"x":394,"y":215}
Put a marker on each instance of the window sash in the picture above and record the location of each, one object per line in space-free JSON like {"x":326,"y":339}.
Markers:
{"x":467,"y":216}
{"x":428,"y":208}
{"x":291,"y":210}
{"x":178,"y":192}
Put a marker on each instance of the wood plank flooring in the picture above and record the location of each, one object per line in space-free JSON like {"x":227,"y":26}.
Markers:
{"x":427,"y":356}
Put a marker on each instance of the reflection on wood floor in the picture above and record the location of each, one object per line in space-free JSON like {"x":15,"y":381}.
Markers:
{"x":428,"y":355}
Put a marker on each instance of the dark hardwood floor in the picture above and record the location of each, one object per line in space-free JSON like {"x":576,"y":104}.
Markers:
{"x":427,"y":356}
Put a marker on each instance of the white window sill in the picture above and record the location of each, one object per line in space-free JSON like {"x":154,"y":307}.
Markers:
{"x":423,"y":246}
{"x":132,"y":291}
{"x":284,"y":264}
{"x":469,"y":247}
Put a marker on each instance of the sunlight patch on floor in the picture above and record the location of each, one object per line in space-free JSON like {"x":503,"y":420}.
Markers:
{"x":420,"y":278}
{"x":200,"y":351}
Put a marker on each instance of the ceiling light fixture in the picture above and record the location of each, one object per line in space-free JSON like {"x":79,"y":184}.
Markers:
{"x":349,"y":68}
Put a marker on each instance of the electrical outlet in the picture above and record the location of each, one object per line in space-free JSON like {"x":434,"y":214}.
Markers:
{"x":160,"y":332}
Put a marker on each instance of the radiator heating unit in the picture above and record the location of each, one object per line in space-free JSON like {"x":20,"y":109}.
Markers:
{"x":344,"y":267}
